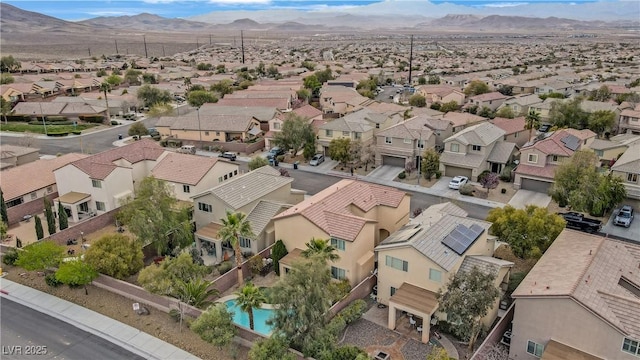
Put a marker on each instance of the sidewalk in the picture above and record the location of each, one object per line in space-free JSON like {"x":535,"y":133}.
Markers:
{"x":90,"y":321}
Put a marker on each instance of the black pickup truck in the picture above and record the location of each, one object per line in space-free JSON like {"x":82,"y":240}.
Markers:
{"x":577,"y":221}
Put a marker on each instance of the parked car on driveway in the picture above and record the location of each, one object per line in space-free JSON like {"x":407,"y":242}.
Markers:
{"x":457,"y":182}
{"x":316,"y":160}
{"x":576,"y":220}
{"x":275,"y":152}
{"x":624,"y":216}
{"x":228,"y":155}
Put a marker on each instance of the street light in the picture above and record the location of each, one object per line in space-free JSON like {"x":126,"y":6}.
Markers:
{"x":43,"y":122}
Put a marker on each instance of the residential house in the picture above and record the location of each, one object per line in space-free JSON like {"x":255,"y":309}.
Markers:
{"x":543,"y":109}
{"x":607,"y":150}
{"x":554,"y":86}
{"x":25,"y":186}
{"x":441,"y":94}
{"x":260,"y":194}
{"x":628,"y":168}
{"x":356,"y":216}
{"x":15,"y":92}
{"x":461,"y":120}
{"x":514,"y":130}
{"x":100,"y":183}
{"x":264,"y":114}
{"x":188,"y":174}
{"x":12,"y":155}
{"x":441,"y":128}
{"x":590,"y":107}
{"x":70,"y":110}
{"x":630,"y":121}
{"x":476,"y":149}
{"x":282,"y":104}
{"x":520,"y":104}
{"x":313,"y":115}
{"x":490,"y":100}
{"x":341,"y":100}
{"x":404,"y":142}
{"x":194,"y":128}
{"x":418,"y":260}
{"x":539,"y":160}
{"x":580,"y":301}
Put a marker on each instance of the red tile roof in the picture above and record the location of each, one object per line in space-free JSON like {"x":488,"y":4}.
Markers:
{"x":183,"y":168}
{"x":548,"y":171}
{"x":510,"y":126}
{"x":307,"y":111}
{"x":553,"y":145}
{"x":330,"y":208}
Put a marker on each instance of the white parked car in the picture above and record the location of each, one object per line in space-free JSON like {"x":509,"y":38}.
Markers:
{"x":457,"y":182}
{"x":316,"y":160}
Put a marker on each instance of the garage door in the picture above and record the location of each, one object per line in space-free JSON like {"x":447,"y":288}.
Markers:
{"x":393,"y":161}
{"x":457,"y":171}
{"x":535,"y":185}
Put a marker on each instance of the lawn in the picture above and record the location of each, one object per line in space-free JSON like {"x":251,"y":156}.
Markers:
{"x":39,"y":129}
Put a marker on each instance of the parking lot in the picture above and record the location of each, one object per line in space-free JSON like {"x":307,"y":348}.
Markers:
{"x":631,"y":233}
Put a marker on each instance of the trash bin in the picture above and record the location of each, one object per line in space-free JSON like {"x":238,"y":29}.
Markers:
{"x":119,"y":136}
{"x":295,"y":165}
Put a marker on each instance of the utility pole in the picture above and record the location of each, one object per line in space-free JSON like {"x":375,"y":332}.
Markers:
{"x":242,"y":44}
{"x":410,"y":60}
{"x":89,"y":49}
{"x":163,"y":55}
{"x":197,"y":43}
{"x":144,"y":38}
{"x":116,"y":41}
{"x":209,"y":39}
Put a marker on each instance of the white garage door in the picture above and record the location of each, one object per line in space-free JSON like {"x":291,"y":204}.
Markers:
{"x":453,"y":171}
{"x":393,"y":161}
{"x":535,"y":185}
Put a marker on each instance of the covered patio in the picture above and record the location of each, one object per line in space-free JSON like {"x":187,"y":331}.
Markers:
{"x":211,"y":248}
{"x":76,"y":204}
{"x":420,"y":303}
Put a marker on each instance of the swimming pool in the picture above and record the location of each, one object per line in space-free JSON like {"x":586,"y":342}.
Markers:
{"x":260,"y":317}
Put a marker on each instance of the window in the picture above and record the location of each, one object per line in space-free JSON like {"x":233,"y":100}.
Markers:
{"x":100,"y":206}
{"x":205,"y":207}
{"x":186,"y":189}
{"x":230,"y":175}
{"x":407,"y":141}
{"x":534,"y":349}
{"x":50,"y":189}
{"x":217,"y":133}
{"x":504,"y":138}
{"x":388,"y":140}
{"x":533,"y":158}
{"x":393,"y":291}
{"x":206,"y":133}
{"x":435,"y":275}
{"x":338,"y":243}
{"x":286,"y":270}
{"x":245,"y":243}
{"x":220,"y":179}
{"x":235,"y":172}
{"x":329,"y":133}
{"x":226,"y":176}
{"x":455,"y":147}
{"x":555,"y":158}
{"x":15,"y":202}
{"x":515,"y":135}
{"x":34,"y":195}
{"x":96,"y":183}
{"x":420,"y":144}
{"x":346,"y":133}
{"x":476,"y":147}
{"x":397,"y":263}
{"x":338,"y":273}
{"x":276,"y":126}
{"x":600,"y":153}
{"x":632,"y":178}
{"x":377,"y":126}
{"x":631,"y":346}
{"x":357,"y":135}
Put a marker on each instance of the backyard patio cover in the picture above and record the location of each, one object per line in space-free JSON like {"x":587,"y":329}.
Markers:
{"x":559,"y":351}
{"x":415,"y":299}
{"x":73,"y":197}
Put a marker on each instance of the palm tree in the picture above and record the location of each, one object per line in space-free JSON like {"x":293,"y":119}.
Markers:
{"x":105,"y":87}
{"x":532,"y":121}
{"x":234,"y":226}
{"x":250,"y":297}
{"x":195,"y":292}
{"x":321,"y":249}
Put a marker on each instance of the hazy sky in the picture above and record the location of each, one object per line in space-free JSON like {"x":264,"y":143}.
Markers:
{"x":79,"y":10}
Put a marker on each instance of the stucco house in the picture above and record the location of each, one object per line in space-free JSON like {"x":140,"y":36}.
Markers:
{"x":580,"y":301}
{"x":13,"y":155}
{"x":440,"y":94}
{"x":630,"y":121}
{"x":462,"y":120}
{"x":539,"y":160}
{"x":341,"y":100}
{"x":99,"y":183}
{"x":490,"y":100}
{"x":206,"y":128}
{"x":260,"y":194}
{"x":404,"y":142}
{"x":308,"y":112}
{"x":514,"y":130}
{"x":520,"y":104}
{"x":418,"y":260}
{"x":628,"y":168}
{"x":476,"y":149}
{"x":356,"y":216}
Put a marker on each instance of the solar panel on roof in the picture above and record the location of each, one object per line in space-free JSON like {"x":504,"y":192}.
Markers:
{"x":571,"y":142}
{"x":462,"y":237}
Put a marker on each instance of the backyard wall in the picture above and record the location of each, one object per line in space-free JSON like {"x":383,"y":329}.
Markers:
{"x":237,"y":147}
{"x":360,"y":291}
{"x":227,"y":280}
{"x":495,"y":335}
{"x":86,"y":226}
{"x":15,"y":213}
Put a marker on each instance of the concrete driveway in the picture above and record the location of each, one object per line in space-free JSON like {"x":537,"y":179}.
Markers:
{"x":631,"y":233}
{"x":522,"y":198}
{"x":385,"y":172}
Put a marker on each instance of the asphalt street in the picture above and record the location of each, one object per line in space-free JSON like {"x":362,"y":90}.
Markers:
{"x":29,"y":334}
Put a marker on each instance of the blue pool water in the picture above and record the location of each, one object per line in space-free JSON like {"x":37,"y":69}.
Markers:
{"x":260,"y":317}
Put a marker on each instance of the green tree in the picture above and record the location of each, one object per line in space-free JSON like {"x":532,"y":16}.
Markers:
{"x":154,"y":217}
{"x":6,"y":78}
{"x":601,"y":94}
{"x":197,"y":292}
{"x":114,"y":80}
{"x":38,"y":225}
{"x":257,"y":162}
{"x":5,"y":108}
{"x":105,"y":87}
{"x":321,"y":249}
{"x":8,"y":63}
{"x":422,"y":80}
{"x":3,"y":208}
{"x":532,"y":121}
{"x":568,"y":114}
{"x":304,"y":94}
{"x":76,"y":273}
{"x":529,"y":231}
{"x":602,"y":121}
{"x":302,"y":296}
{"x":296,"y":131}
{"x":505,"y":112}
{"x":151,"y":95}
{"x":466,"y":300}
{"x":215,"y":325}
{"x":476,"y":87}
{"x":223,"y":87}
{"x":40,"y":256}
{"x":278,"y":252}
{"x":339,"y":150}
{"x":162,"y":279}
{"x":311,"y":82}
{"x":234,"y":226}
{"x":273,"y":348}
{"x":197,"y":98}
{"x":132,"y":76}
{"x":115,"y":255}
{"x":138,"y":129}
{"x":486,"y":112}
{"x":490,"y":181}
{"x":506,"y":90}
{"x":250,"y":297}
{"x":553,"y":95}
{"x":571,"y":176}
{"x":63,"y":220}
{"x":430,"y":163}
{"x":417,"y":100}
{"x":48,"y":214}
{"x":449,"y":106}
{"x":597,"y":193}
{"x":434,"y":79}
{"x":3,"y":229}
{"x":438,"y":353}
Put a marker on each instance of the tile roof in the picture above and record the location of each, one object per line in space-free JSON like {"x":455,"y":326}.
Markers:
{"x":486,"y":264}
{"x":24,"y":179}
{"x":548,"y":171}
{"x":307,"y":111}
{"x":590,"y":269}
{"x":329,"y":209}
{"x":278,"y":103}
{"x":488,"y":97}
{"x":510,"y":126}
{"x":183,"y":168}
{"x":481,"y":134}
{"x":13,"y":150}
{"x":501,"y":152}
{"x":413,"y":128}
{"x":261,"y":214}
{"x":231,"y":123}
{"x":100,"y":165}
{"x":629,"y":161}
{"x":254,"y":108}
{"x":553,"y":145}
{"x":459,"y":159}
{"x":601,"y":144}
{"x":461,"y":119}
{"x":246,"y":188}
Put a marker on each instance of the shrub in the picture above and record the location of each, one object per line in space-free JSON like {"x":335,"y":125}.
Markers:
{"x":483,"y":175}
{"x":224,"y":267}
{"x":354,"y":311}
{"x":175,"y":314}
{"x":466,"y":189}
{"x":51,"y":280}
{"x":255,"y":264}
{"x":339,"y":289}
{"x":402,"y":175}
{"x":57,"y":133}
{"x":505,"y":175}
{"x":92,"y":118}
{"x":10,"y":257}
{"x":113,"y":122}
{"x":438,"y":174}
{"x":56,"y":118}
